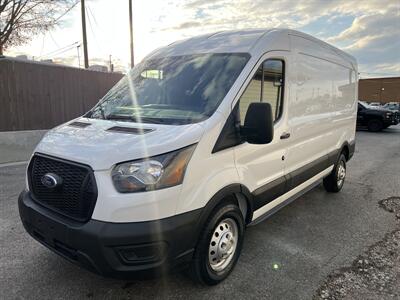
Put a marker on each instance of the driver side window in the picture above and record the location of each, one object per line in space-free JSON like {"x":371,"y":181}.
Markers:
{"x":267,"y":85}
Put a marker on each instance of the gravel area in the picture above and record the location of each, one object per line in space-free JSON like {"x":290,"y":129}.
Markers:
{"x":375,"y":274}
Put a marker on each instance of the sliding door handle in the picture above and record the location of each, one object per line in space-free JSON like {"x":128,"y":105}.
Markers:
{"x":285,"y":135}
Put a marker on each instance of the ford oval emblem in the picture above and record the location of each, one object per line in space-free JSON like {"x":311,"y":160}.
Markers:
{"x":51,"y":180}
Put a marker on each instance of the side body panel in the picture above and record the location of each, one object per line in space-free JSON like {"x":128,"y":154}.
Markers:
{"x":322,"y":107}
{"x":207,"y":172}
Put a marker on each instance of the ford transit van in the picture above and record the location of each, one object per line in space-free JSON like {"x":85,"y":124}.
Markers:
{"x":202,"y":138}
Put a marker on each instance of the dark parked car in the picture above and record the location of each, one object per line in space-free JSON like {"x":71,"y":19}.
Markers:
{"x":376,"y":118}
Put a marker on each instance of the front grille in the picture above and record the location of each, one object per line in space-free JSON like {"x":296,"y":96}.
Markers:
{"x":74,"y":198}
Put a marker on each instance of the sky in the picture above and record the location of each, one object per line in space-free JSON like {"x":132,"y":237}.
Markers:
{"x":367,"y":29}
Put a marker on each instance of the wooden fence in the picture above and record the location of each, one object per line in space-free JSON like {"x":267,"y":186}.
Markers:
{"x":40,"y":96}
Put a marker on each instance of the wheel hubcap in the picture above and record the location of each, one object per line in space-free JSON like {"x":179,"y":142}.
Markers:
{"x":341,"y":173}
{"x":223,"y":244}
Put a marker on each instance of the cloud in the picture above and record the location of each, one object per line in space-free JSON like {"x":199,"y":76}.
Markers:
{"x":369,"y":30}
{"x":368,"y":26}
{"x":200,"y":3}
{"x":375,"y":40}
{"x":187,"y":25}
{"x":390,"y":68}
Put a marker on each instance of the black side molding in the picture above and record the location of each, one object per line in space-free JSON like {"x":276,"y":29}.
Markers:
{"x":284,"y":184}
{"x":352,"y":149}
{"x":269,"y":192}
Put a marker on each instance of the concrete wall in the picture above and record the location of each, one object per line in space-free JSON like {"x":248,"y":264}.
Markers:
{"x":17,"y":146}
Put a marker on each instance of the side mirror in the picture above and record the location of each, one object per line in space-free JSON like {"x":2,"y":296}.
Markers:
{"x":258,"y":124}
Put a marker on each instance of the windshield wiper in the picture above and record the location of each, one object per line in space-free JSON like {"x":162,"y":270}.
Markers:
{"x":90,"y":113}
{"x":136,"y":119}
{"x":103,"y":115}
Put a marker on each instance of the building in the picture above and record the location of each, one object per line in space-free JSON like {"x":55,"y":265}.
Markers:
{"x":98,"y":68}
{"x":381,"y":90}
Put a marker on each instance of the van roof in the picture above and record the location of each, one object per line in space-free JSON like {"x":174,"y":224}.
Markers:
{"x":217,"y":42}
{"x":251,"y":41}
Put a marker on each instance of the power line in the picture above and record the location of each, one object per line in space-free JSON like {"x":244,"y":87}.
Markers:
{"x":91,"y":29}
{"x":65,"y":50}
{"x":60,"y":50}
{"x":67,"y":11}
{"x":52,"y":38}
{"x":94,"y":18}
{"x":41,"y":50}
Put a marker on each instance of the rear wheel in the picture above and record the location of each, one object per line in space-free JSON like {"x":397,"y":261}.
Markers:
{"x":219,"y":246}
{"x":334,"y":182}
{"x":375,"y":125}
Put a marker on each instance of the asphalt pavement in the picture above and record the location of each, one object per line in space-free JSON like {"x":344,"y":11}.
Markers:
{"x":288,"y":256}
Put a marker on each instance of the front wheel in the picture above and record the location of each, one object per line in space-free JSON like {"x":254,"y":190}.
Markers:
{"x":375,"y":125}
{"x":334,"y":182}
{"x":219,"y":247}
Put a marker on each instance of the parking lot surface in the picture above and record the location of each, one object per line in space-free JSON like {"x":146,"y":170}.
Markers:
{"x":288,"y":256}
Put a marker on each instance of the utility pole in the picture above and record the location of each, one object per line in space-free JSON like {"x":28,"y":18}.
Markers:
{"x":85,"y":49}
{"x":111,"y":65}
{"x":79,"y":57}
{"x":131,"y":33}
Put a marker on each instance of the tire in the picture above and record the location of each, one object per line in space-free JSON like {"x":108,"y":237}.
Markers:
{"x":224,"y":226}
{"x":335,"y":181}
{"x":375,"y":125}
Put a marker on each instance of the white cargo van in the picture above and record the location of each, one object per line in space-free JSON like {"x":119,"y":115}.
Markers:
{"x":201,"y":139}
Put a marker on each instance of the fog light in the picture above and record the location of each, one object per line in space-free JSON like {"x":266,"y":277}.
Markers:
{"x":142,"y":254}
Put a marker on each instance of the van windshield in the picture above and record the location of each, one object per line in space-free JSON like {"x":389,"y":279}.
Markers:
{"x":172,"y":90}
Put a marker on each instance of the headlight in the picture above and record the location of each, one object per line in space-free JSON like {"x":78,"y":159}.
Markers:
{"x":152,"y":173}
{"x":388,"y":115}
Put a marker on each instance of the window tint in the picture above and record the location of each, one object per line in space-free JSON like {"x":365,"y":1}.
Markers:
{"x":266,"y":86}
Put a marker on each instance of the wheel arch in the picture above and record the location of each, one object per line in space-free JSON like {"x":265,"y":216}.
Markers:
{"x":236,"y":193}
{"x":348,"y":149}
{"x":345,"y":150}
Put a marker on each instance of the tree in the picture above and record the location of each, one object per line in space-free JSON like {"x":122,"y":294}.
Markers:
{"x":20,"y":20}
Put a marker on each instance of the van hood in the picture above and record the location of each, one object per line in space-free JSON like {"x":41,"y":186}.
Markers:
{"x":94,"y":142}
{"x":380,"y":109}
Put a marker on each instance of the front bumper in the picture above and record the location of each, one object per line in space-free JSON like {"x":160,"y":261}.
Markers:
{"x":119,"y":250}
{"x":394,"y":120}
